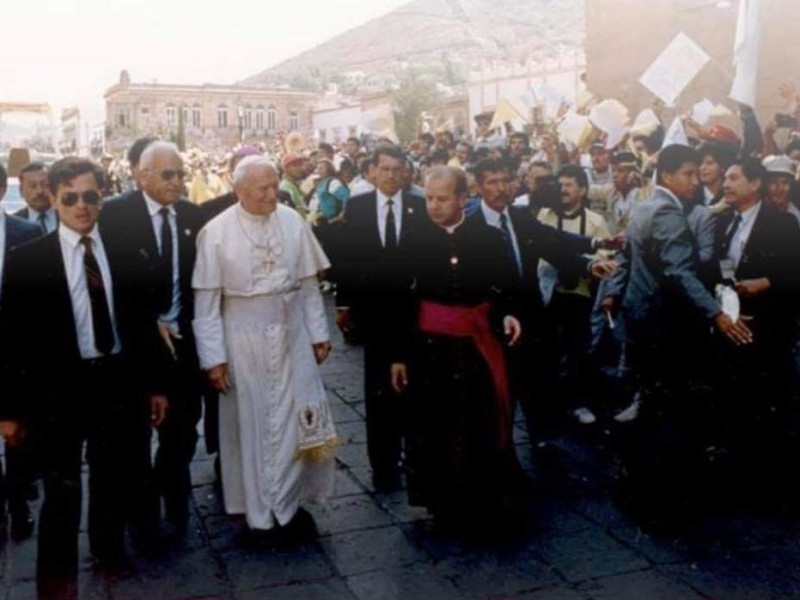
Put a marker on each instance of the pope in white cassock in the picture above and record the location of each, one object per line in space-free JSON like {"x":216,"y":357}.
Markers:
{"x":261,"y":331}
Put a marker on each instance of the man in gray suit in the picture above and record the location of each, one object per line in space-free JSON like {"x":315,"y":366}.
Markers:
{"x":667,"y":311}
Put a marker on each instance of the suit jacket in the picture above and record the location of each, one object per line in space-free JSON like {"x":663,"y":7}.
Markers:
{"x":127,"y":226}
{"x":702,"y":223}
{"x":132,"y":248}
{"x":665,"y":295}
{"x":368,"y":277}
{"x":536,"y":241}
{"x":24,"y":212}
{"x":771,"y":251}
{"x":19,"y":231}
{"x":37,"y":314}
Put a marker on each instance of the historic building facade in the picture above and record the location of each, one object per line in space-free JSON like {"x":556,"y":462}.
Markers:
{"x":208,"y":116}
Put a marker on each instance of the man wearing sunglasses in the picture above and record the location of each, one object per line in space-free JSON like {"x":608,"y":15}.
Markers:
{"x":74,"y":376}
{"x":152,"y":231}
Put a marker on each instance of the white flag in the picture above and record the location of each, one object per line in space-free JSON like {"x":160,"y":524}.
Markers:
{"x":745,"y":52}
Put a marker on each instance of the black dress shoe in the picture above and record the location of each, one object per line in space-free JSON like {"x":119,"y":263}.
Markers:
{"x":22,"y":522}
{"x":301,"y":527}
{"x":386,"y":482}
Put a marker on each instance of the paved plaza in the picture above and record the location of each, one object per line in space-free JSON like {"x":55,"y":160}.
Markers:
{"x":575,"y":545}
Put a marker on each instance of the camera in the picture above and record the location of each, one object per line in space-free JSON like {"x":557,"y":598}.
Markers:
{"x":548,"y":192}
{"x":785,"y":121}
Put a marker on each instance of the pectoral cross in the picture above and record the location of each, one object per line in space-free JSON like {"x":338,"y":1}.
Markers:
{"x":268,"y":264}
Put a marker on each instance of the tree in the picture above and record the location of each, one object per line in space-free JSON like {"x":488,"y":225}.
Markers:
{"x":415,"y":93}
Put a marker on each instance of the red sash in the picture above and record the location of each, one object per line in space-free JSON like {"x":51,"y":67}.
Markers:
{"x":473,"y":322}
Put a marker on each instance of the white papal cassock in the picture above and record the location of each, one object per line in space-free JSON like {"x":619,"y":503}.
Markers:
{"x":258,"y":308}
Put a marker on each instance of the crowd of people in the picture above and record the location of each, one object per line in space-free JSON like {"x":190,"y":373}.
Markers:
{"x":650,"y":285}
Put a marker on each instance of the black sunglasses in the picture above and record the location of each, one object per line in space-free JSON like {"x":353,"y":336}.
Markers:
{"x":168,"y":174}
{"x":90,"y":198}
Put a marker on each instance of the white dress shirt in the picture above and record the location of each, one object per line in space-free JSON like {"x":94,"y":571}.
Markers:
{"x":383,"y":211}
{"x":739,"y":240}
{"x":493,"y":220}
{"x":153,"y":207}
{"x":73,"y":251}
{"x":50,"y":219}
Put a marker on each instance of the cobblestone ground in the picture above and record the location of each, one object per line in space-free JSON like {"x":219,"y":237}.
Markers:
{"x":373,"y":546}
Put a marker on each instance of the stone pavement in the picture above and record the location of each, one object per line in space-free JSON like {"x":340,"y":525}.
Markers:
{"x":373,"y":546}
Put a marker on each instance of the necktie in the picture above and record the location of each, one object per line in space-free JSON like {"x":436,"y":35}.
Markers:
{"x":101,"y":317}
{"x":166,"y":260}
{"x":390,"y":237}
{"x":43,"y":222}
{"x":509,"y":241}
{"x":737,"y":221}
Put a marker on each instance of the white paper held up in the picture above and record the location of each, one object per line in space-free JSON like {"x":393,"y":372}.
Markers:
{"x":674,"y":68}
{"x":745,"y":52}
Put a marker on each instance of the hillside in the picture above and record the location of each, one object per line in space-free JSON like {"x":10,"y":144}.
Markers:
{"x":455,"y":33}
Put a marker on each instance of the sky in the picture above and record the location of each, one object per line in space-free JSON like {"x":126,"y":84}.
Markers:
{"x":68,"y":52}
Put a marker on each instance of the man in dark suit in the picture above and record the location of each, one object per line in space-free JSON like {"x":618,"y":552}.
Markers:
{"x":152,"y":232}
{"x":758,"y":247}
{"x":73,"y":375}
{"x":667,"y":311}
{"x":369,"y":264}
{"x":16,"y":483}
{"x":33,"y":188}
{"x":533,"y":362}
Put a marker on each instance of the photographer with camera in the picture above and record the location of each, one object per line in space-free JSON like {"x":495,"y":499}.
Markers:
{"x":616,"y":200}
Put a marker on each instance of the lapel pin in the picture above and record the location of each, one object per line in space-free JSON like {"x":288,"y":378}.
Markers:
{"x":187,"y":232}
{"x":410,"y":210}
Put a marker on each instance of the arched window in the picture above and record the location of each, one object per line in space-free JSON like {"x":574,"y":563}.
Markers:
{"x":259,"y":117}
{"x":272,"y":118}
{"x":248,"y":117}
{"x":222,"y":116}
{"x":293,"y":121}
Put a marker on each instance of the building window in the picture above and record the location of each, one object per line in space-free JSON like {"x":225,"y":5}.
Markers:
{"x":352,"y":131}
{"x":196,"y":121}
{"x":171,"y":116}
{"x":144,"y":114}
{"x":272,"y":118}
{"x":185,"y":115}
{"x":222,"y":116}
{"x":248,"y":118}
{"x":293,"y":122}
{"x":322,"y":135}
{"x":260,"y":117}
{"x":121,"y":118}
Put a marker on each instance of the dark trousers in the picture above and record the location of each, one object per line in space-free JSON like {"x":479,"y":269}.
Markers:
{"x":177,"y":436}
{"x":571,"y":315}
{"x":104,"y":414}
{"x":384,"y":415}
{"x":16,"y":483}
